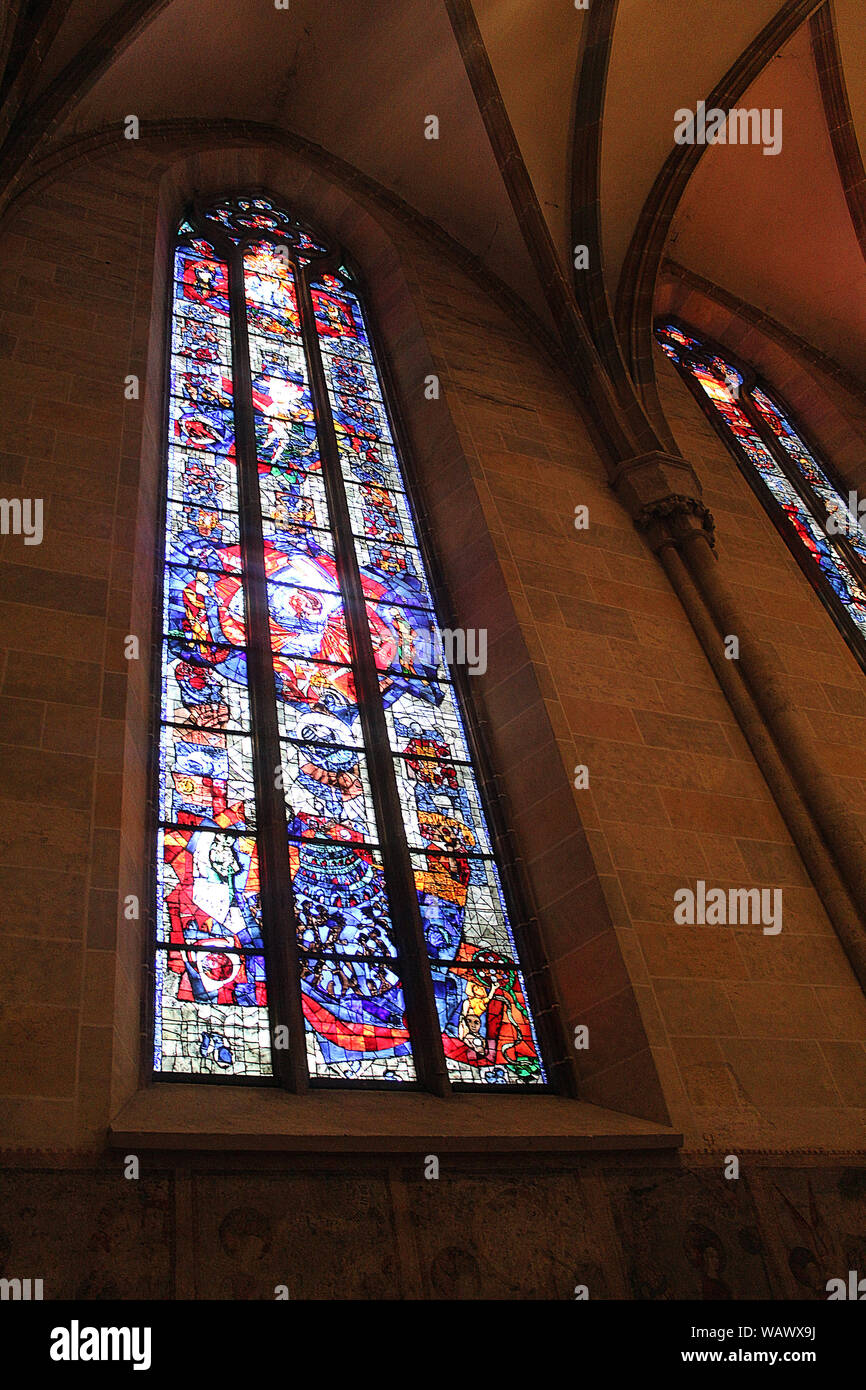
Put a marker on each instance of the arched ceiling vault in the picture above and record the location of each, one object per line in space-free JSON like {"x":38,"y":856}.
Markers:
{"x":781,"y":232}
{"x":777,"y":231}
{"x":590,"y":129}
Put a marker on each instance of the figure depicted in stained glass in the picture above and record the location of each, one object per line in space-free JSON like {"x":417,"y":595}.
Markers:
{"x":213,"y":918}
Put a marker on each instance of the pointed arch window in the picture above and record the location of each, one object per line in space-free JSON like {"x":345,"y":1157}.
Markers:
{"x":329,"y":904}
{"x":821,"y":525}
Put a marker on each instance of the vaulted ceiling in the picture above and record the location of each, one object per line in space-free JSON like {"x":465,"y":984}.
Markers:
{"x":506,"y":80}
{"x":776,"y":230}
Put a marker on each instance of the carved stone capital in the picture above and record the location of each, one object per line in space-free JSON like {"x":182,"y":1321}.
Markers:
{"x":672,"y":517}
{"x":663,"y":495}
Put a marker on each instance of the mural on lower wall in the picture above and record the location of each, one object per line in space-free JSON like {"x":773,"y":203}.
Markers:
{"x":591,"y":1230}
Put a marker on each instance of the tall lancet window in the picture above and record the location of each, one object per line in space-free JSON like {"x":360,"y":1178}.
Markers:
{"x":821,"y":525}
{"x":329,"y":906}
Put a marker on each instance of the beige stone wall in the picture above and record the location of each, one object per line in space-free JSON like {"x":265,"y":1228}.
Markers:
{"x":71,"y":330}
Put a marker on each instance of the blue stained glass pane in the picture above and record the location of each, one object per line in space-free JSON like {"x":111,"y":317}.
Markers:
{"x":286,"y":443}
{"x":201,"y":425}
{"x":327,"y":790}
{"x":202,"y":383}
{"x":211,"y":983}
{"x":358,"y":418}
{"x":352,"y":998}
{"x":202,"y":280}
{"x":842,"y":515}
{"x":284,"y":399}
{"x":296,"y":543}
{"x":297,"y":499}
{"x":487,"y":1028}
{"x":440,"y":804}
{"x":308,"y":622}
{"x":326,"y":688}
{"x":341,"y":902}
{"x":355,"y":1016}
{"x":211,"y":1013}
{"x":272,"y":364}
{"x":202,"y":479}
{"x":462,"y":904}
{"x":380,"y":514}
{"x":274,"y":327}
{"x":394,"y":573}
{"x":274,"y":294}
{"x":197,"y":338}
{"x":423,"y":720}
{"x":204,"y":607}
{"x":370,"y":462}
{"x":204,"y":686}
{"x":406,"y":640}
{"x":206,"y":779}
{"x":338,"y":317}
{"x":204,"y":536}
{"x":209,"y":887}
{"x":308,"y":717}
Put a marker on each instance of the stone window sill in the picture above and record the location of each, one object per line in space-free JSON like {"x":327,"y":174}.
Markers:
{"x":178,"y":1116}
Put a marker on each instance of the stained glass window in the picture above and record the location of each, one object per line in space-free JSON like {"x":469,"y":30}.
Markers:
{"x":822,"y":525}
{"x":330,"y":907}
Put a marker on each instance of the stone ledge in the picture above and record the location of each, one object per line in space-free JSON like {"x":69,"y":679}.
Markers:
{"x":177,"y":1116}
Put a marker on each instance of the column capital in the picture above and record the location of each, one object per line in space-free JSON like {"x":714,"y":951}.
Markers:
{"x":662,"y":494}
